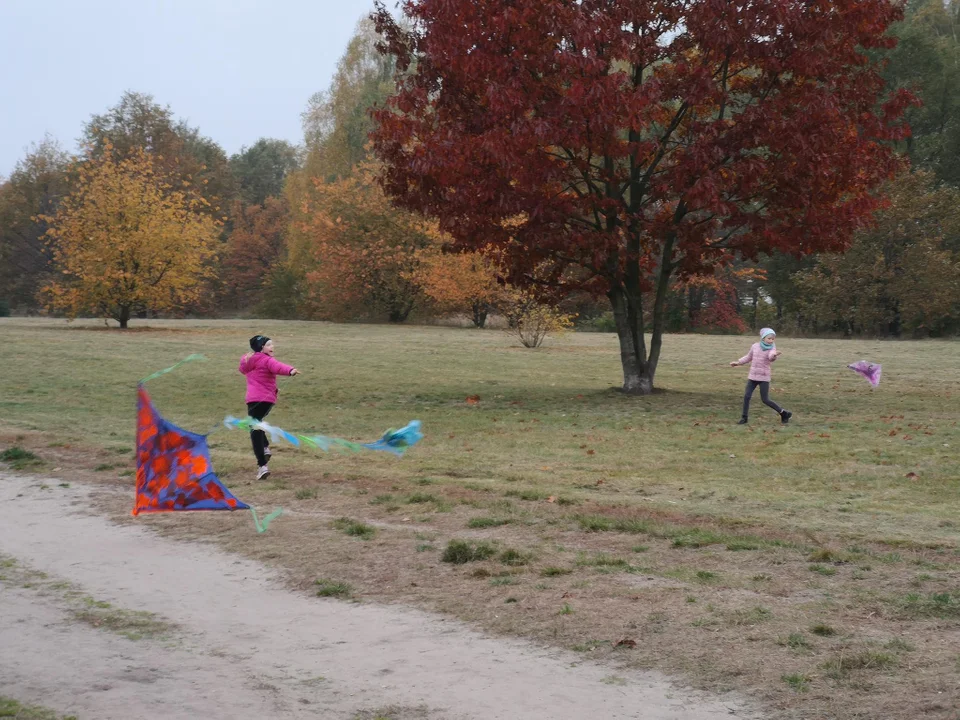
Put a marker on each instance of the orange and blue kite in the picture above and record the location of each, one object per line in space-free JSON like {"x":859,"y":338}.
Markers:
{"x":174,"y":472}
{"x":173,"y":467}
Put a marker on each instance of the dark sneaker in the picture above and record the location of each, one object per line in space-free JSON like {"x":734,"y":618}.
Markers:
{"x":785,"y":416}
{"x":743,"y":421}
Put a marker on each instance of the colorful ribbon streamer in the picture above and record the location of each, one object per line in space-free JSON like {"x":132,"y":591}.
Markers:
{"x":392,"y":441}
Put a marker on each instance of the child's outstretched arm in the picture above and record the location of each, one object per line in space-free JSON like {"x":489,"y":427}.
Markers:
{"x":279,"y":368}
{"x":744,"y":360}
{"x":243,"y":363}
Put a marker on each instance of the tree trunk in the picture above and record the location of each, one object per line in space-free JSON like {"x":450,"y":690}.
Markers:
{"x":639,"y":368}
{"x":637,"y":374}
{"x":123,"y":317}
{"x":480,"y":314}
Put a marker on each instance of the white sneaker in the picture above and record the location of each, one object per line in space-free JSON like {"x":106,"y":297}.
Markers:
{"x":266,"y":452}
{"x":263,"y":472}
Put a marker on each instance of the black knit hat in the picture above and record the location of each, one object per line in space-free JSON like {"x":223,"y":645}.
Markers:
{"x":258,"y":341}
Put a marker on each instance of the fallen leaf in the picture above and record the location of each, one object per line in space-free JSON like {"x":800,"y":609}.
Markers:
{"x":913,"y":476}
{"x":473,"y":399}
{"x":625,"y":642}
{"x":824,"y":435}
{"x":591,"y":452}
{"x":551,"y":499}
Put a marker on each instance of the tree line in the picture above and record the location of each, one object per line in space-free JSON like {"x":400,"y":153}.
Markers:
{"x":152,"y":217}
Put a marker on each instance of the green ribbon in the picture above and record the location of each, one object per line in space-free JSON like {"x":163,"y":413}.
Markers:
{"x":189,"y":358}
{"x":265,"y":523}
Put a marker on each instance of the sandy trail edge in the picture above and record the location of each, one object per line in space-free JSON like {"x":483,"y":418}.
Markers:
{"x":252,"y":649}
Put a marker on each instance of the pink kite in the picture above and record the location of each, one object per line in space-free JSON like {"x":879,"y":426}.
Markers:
{"x":870,"y":371}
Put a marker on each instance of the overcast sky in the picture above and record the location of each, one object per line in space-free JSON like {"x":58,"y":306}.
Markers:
{"x":237,"y":69}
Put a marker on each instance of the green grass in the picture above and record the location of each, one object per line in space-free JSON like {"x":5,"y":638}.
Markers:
{"x":18,"y":458}
{"x":823,"y":630}
{"x":332,"y":588}
{"x":354,"y":528}
{"x":460,"y":552}
{"x":860,"y":477}
{"x":797,"y":681}
{"x":943,"y":605}
{"x":10,"y":708}
{"x":565,"y":386}
{"x":485,"y":522}
{"x":514,"y":558}
{"x":797,"y":641}
{"x":839,"y":666}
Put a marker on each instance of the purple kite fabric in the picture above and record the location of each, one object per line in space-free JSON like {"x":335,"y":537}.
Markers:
{"x":868,"y":370}
{"x":173,"y":467}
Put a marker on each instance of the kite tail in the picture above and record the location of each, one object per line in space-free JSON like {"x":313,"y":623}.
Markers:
{"x":189,"y":358}
{"x":262,"y":525}
{"x":393,"y":441}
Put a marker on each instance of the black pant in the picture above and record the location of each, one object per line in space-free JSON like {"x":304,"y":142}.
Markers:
{"x":258,"y":411}
{"x":764,"y":395}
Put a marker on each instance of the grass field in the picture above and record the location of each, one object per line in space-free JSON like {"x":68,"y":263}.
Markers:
{"x":814,"y":566}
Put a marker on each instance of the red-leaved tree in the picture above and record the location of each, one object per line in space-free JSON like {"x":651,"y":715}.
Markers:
{"x":623,"y":143}
{"x":253,"y":250}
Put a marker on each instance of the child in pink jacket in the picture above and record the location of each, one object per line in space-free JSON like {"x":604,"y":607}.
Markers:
{"x":261,"y":369}
{"x":760,"y":356}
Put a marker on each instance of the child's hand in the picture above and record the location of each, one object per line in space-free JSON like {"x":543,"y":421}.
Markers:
{"x":248,"y":356}
{"x":294,"y":372}
{"x":734,"y":363}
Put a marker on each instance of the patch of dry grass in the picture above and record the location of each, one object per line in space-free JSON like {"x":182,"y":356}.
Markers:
{"x":566,"y":479}
{"x":131,"y":624}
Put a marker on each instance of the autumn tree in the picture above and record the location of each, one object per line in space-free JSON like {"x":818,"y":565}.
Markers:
{"x":254,"y":249}
{"x":459,"y":282}
{"x":900,"y":277}
{"x":337,"y":121}
{"x":715,"y":302}
{"x":261,"y":169}
{"x":34,"y":189}
{"x":927,"y":60}
{"x":126,"y":240}
{"x":363,"y":253}
{"x":138,"y":123}
{"x":639,"y":140}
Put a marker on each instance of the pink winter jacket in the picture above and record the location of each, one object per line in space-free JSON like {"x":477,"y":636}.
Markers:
{"x":261,"y":371}
{"x":759,"y":360}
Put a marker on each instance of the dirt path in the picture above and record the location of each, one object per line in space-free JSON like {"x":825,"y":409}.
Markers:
{"x":248,"y":648}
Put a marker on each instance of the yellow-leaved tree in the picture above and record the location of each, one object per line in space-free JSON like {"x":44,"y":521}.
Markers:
{"x":126,"y":241}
